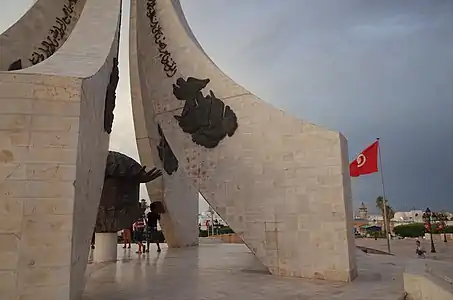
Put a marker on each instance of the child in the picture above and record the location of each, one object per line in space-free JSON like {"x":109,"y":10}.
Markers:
{"x":127,"y":237}
{"x":139,"y":229}
{"x":419,"y":250}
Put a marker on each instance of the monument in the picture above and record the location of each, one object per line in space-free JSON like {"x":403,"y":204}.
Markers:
{"x":270,"y":176}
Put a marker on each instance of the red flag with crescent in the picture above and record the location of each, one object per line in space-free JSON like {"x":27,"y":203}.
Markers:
{"x":366,"y":162}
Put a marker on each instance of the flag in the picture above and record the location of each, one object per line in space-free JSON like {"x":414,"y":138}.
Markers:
{"x":366,"y":162}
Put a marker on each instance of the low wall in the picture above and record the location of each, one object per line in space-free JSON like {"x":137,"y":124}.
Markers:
{"x":230,"y":238}
{"x":440,"y":237}
{"x":428,"y":280}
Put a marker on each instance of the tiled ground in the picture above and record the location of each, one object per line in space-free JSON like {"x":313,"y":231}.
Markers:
{"x":230,"y":271}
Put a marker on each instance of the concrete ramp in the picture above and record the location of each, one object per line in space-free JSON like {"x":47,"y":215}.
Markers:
{"x":281,"y":183}
{"x":54,"y":122}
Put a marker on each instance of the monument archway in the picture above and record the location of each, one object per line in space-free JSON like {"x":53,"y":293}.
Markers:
{"x":270,"y":176}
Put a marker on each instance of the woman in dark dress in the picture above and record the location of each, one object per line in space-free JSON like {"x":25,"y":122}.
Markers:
{"x":151,"y":225}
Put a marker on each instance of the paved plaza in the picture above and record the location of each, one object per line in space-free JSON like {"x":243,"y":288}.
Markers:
{"x":406,"y":247}
{"x":230,"y":271}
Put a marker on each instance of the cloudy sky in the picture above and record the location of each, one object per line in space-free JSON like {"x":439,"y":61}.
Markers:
{"x":366,"y":68}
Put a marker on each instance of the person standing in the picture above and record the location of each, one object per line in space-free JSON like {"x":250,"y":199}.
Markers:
{"x":139,"y":229}
{"x":151,"y":224}
{"x":127,"y":237}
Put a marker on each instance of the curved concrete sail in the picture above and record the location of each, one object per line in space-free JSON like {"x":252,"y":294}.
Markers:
{"x":180,"y":222}
{"x":54,"y":122}
{"x":40,"y":32}
{"x":281,"y":183}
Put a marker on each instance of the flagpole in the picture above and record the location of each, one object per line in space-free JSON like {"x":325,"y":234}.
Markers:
{"x":385,"y":198}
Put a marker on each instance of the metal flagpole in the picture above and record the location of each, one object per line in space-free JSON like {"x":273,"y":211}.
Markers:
{"x":385,"y":198}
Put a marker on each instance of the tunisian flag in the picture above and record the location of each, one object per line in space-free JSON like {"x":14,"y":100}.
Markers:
{"x":366,"y":162}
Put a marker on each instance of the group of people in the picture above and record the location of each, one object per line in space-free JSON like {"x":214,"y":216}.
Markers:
{"x":144,"y":229}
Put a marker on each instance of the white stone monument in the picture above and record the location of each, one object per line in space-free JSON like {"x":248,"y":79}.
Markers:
{"x":53,"y":144}
{"x":281,"y":183}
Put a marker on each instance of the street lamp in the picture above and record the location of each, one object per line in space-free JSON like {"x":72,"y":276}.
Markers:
{"x":428,"y":216}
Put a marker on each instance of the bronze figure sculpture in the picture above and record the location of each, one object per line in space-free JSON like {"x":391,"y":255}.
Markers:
{"x":120,"y":206}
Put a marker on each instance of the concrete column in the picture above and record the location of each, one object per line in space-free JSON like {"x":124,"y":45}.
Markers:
{"x":106,"y":247}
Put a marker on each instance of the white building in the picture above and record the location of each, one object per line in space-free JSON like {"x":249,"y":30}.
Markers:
{"x":413,"y":216}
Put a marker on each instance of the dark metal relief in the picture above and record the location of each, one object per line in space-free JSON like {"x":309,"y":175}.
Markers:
{"x":119,"y":206}
{"x":165,"y":57}
{"x":57,"y":34}
{"x":110,"y":97}
{"x":166,"y":155}
{"x":17,"y":65}
{"x":206,"y":118}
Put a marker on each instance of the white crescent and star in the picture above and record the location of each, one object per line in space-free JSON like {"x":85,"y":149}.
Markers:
{"x":361,"y":160}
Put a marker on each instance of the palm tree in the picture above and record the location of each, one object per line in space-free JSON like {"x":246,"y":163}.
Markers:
{"x":390,"y":212}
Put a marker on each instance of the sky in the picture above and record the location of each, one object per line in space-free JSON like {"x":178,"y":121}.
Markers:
{"x":365,"y":68}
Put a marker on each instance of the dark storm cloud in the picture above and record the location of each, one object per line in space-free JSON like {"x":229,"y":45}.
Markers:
{"x":366,"y":68}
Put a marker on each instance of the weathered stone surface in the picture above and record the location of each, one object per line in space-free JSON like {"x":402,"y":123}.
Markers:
{"x":53,"y":148}
{"x":39,"y":33}
{"x":272,"y":178}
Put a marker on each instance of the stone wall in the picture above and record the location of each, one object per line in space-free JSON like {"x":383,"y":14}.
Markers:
{"x":273,"y":179}
{"x":53,"y":149}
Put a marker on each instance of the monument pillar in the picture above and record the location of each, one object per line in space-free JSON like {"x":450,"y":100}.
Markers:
{"x":54,"y":123}
{"x":282,"y":184}
{"x":106,"y":247}
{"x":180,"y":221}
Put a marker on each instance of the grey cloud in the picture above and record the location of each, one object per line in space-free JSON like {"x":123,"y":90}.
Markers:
{"x":366,"y":68}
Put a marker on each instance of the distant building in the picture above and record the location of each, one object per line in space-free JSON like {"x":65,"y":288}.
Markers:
{"x":413,"y":216}
{"x":363,"y":212}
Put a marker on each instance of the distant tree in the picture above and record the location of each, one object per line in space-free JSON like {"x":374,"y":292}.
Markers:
{"x":410,"y":230}
{"x":390,"y":212}
{"x":449,"y":229}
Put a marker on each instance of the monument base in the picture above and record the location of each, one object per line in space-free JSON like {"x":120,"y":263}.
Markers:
{"x":106,"y":247}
